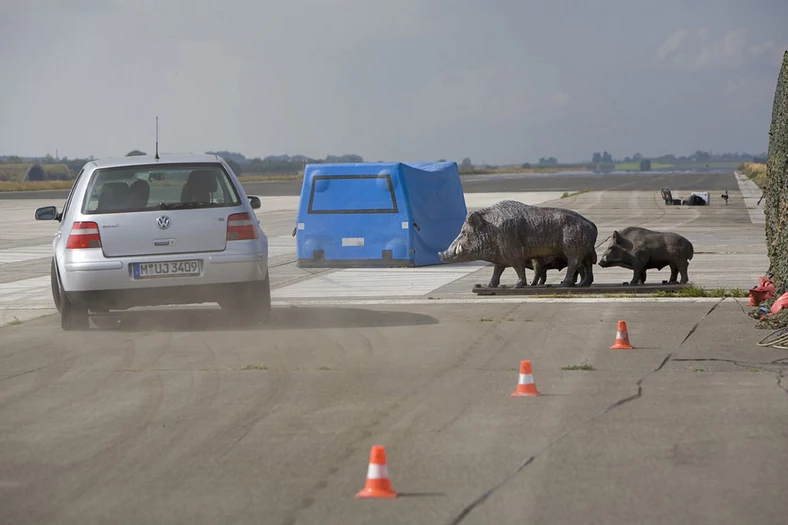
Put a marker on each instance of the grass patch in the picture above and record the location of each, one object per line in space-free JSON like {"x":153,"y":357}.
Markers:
{"x":14,"y":321}
{"x":37,"y":185}
{"x":585,"y":365}
{"x":324,"y":368}
{"x":485,"y":320}
{"x":567,"y":194}
{"x":261,"y":366}
{"x":699,"y":291}
{"x":756,"y":172}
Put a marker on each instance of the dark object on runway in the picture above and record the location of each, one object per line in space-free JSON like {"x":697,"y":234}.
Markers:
{"x":695,"y":199}
{"x":724,"y":196}
{"x":595,"y":288}
{"x":667,"y":196}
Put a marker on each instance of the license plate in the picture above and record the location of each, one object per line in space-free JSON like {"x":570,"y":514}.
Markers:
{"x":166,"y":269}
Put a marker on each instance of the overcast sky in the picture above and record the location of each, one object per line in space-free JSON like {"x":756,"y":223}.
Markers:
{"x":408,"y":80}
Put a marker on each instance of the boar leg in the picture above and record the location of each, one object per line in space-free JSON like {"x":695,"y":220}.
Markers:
{"x":683,"y":269}
{"x":573,"y":264}
{"x":540,"y":273}
{"x":586,"y":274}
{"x":520,"y":269}
{"x":674,"y":272}
{"x":638,"y":274}
{"x":496,"y":276}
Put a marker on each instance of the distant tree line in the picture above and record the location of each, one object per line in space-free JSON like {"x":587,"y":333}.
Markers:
{"x":281,"y":164}
{"x":276,"y":164}
{"x":698,"y":156}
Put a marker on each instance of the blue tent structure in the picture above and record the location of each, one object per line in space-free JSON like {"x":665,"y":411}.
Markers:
{"x":355,"y":215}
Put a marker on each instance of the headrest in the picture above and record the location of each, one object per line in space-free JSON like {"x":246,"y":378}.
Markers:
{"x":203,"y":179}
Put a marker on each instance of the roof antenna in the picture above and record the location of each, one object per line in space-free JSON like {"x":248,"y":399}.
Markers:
{"x":157,"y":138}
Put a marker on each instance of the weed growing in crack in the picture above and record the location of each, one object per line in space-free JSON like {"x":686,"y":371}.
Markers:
{"x":585,"y":365}
{"x":261,"y":366}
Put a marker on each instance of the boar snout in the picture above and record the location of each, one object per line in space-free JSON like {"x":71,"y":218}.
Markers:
{"x":453,"y":253}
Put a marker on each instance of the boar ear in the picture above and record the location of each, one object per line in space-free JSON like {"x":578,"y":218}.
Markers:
{"x":616,"y":237}
{"x":475,"y":219}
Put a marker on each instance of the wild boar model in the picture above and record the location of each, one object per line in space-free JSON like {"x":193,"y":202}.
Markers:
{"x":510,"y":233}
{"x":639,"y":249}
{"x":540,"y":265}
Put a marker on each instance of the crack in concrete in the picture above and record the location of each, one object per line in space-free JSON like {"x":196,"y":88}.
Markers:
{"x":481,"y":499}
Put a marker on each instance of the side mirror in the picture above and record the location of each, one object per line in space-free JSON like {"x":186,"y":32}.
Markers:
{"x":255,"y":202}
{"x":47,"y":213}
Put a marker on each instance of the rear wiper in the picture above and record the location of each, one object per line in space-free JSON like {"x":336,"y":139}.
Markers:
{"x":186,"y":205}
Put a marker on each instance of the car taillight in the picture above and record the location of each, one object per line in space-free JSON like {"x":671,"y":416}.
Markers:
{"x":84,"y":235}
{"x":240,"y":227}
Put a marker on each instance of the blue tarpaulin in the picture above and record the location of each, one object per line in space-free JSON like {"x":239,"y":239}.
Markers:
{"x":378,"y":214}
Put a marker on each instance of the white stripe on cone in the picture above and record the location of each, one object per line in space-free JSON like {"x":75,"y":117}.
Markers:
{"x":377,"y":471}
{"x":621,"y":335}
{"x":526,"y":379}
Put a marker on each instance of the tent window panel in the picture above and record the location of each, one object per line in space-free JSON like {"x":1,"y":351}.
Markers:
{"x":342,"y":194}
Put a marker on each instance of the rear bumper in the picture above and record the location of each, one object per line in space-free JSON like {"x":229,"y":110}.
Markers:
{"x":80,"y":273}
{"x":160,"y":296}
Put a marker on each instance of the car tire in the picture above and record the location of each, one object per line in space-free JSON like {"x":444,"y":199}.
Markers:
{"x":55,"y":286}
{"x":72,"y":316}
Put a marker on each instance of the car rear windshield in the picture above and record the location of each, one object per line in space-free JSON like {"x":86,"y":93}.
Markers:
{"x":159,"y":187}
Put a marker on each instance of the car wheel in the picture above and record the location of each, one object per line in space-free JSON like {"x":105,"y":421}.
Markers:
{"x":55,"y":287}
{"x":72,"y":316}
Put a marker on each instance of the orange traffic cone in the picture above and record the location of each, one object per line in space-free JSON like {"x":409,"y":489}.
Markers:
{"x":622,"y":338}
{"x":378,"y":483}
{"x":525,"y":384}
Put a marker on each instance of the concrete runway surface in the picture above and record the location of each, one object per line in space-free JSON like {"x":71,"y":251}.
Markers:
{"x":180,"y":416}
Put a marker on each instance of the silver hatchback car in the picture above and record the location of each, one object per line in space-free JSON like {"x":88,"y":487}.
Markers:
{"x":147,"y":231}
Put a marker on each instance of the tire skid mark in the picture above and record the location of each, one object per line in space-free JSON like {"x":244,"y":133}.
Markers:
{"x":187,"y":416}
{"x":354,"y":436}
{"x":127,"y":348}
{"x":46,"y":375}
{"x":24,"y":350}
{"x":51,"y":372}
{"x":99,"y":469}
{"x":216,"y":443}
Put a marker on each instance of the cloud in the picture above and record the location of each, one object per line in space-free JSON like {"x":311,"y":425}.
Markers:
{"x":699,"y":50}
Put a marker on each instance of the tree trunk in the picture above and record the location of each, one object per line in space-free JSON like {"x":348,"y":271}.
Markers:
{"x":776,"y":188}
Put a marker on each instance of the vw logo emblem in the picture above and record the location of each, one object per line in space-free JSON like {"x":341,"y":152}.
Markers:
{"x":163,"y":222}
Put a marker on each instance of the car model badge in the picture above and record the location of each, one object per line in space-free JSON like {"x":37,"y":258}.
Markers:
{"x":163,"y":222}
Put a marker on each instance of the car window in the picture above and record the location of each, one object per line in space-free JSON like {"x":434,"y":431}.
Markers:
{"x":158,"y":187}
{"x":71,"y":193}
